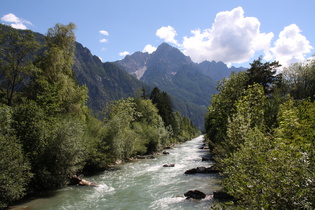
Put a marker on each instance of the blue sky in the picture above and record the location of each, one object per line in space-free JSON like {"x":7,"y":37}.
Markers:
{"x":232,"y":31}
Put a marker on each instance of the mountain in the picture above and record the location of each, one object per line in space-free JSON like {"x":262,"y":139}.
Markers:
{"x":135,"y":64}
{"x":175,"y":73}
{"x":105,"y":81}
{"x":217,"y":70}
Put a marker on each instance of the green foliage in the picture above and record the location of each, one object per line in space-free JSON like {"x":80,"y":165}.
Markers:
{"x":14,"y":166}
{"x":54,"y":86}
{"x":223,"y":106}
{"x":63,"y":155}
{"x":266,"y":148}
{"x":264,"y":74}
{"x":118,"y":132}
{"x":249,"y":114}
{"x":96,"y":151}
{"x":133,"y":128}
{"x":53,"y":145}
{"x":300,"y":80}
{"x":266,"y":173}
{"x":164,"y":105}
{"x":15,"y":63}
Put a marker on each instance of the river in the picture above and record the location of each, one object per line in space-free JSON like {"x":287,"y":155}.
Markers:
{"x":141,"y":184}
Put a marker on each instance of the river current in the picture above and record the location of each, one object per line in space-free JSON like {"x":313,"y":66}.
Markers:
{"x":142,"y":184}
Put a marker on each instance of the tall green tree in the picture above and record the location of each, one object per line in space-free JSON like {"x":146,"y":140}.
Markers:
{"x":16,"y":49}
{"x":222,"y":106}
{"x":164,"y":104}
{"x":50,"y":122}
{"x":264,"y":74}
{"x":250,"y":111}
{"x":54,"y":86}
{"x":118,"y":133}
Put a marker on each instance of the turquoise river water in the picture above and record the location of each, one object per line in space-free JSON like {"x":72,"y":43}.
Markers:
{"x":142,"y":184}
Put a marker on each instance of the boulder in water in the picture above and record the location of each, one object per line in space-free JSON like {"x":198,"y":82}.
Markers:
{"x":195,"y":194}
{"x":75,"y":180}
{"x":202,"y":170}
{"x":169,"y":165}
{"x":166,"y":153}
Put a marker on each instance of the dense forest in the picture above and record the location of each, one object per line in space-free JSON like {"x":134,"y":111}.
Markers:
{"x":49,"y":134}
{"x":261,"y":130}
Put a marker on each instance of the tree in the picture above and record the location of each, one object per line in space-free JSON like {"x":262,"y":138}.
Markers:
{"x":300,"y":80}
{"x":264,"y":74}
{"x":15,"y":61}
{"x":276,"y":171}
{"x":15,"y":169}
{"x":51,"y":120}
{"x":150,"y":127}
{"x":250,"y":111}
{"x":164,"y":104}
{"x":223,"y":106}
{"x":54,"y":85}
{"x":118,"y":133}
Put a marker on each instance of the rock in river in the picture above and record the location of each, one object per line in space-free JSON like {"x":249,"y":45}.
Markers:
{"x":202,"y":170}
{"x":75,"y":180}
{"x":195,"y":194}
{"x":169,"y":165}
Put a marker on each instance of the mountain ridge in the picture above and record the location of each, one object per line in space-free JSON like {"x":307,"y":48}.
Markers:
{"x":215,"y":70}
{"x":175,"y":73}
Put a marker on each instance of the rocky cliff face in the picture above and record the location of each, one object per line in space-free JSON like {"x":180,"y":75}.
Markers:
{"x":135,"y":64}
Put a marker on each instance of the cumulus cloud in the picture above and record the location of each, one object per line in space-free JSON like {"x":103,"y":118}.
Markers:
{"x":124,"y":53}
{"x":16,"y":22}
{"x":168,"y":34}
{"x":233,"y":38}
{"x":103,"y":40}
{"x":149,"y":49}
{"x":103,"y":32}
{"x":290,"y":47}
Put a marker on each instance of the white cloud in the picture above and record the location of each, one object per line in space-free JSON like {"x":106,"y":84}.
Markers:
{"x":10,"y":18}
{"x":233,"y":38}
{"x":124,"y":53}
{"x":103,"y":40}
{"x":16,"y":22}
{"x":149,"y":49}
{"x":290,"y":47}
{"x":103,"y":32}
{"x":168,"y":34}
